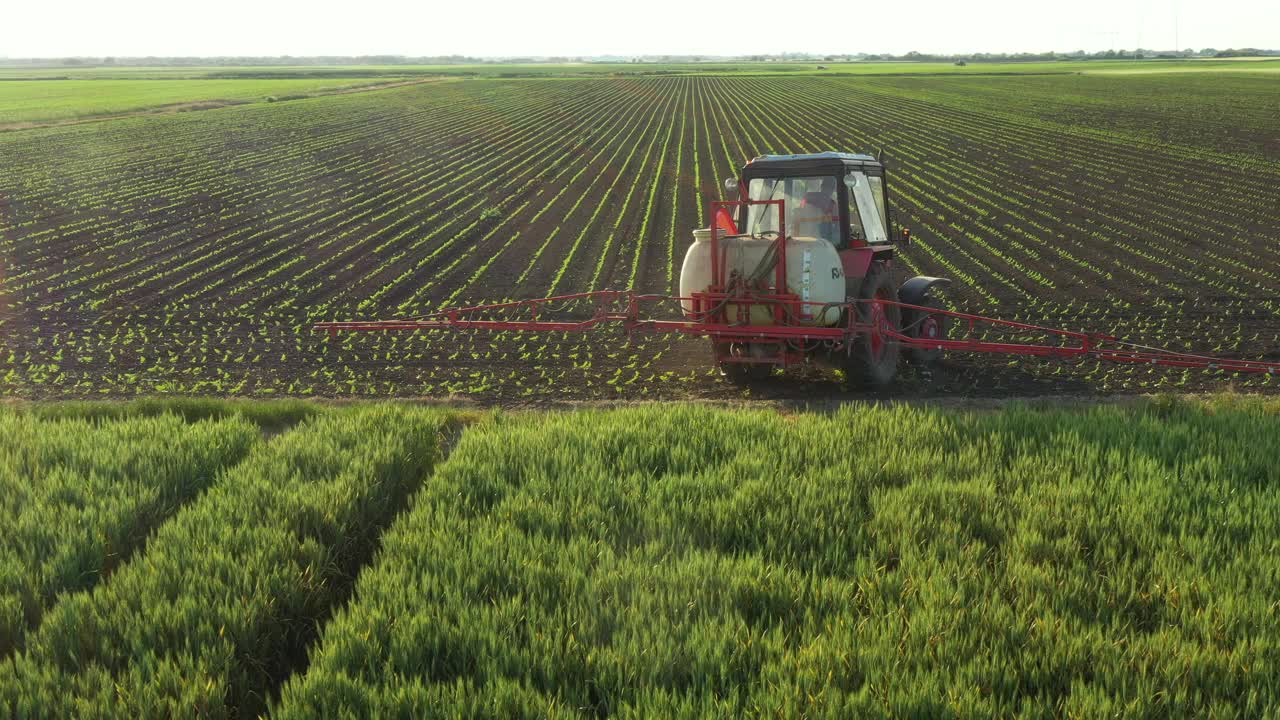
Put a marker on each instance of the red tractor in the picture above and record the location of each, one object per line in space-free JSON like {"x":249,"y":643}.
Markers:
{"x":797,"y":269}
{"x":811,"y":236}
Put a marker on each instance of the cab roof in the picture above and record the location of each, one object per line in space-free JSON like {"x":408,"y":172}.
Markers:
{"x":823,"y":163}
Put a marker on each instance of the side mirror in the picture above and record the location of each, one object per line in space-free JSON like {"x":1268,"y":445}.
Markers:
{"x":906,"y":236}
{"x":731,"y":186}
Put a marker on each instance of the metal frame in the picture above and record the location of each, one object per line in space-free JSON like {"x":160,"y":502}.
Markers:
{"x":889,"y":228}
{"x":719,"y":290}
{"x":625,"y":307}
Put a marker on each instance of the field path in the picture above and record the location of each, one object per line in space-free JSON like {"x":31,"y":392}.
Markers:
{"x":182,"y":107}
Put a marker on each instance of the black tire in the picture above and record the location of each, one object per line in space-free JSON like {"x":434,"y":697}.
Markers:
{"x":739,"y":373}
{"x":873,"y":358}
{"x":928,"y":326}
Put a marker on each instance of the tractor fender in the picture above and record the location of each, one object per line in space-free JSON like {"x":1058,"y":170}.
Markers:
{"x":855,"y":262}
{"x":913,"y":291}
{"x":923,"y":324}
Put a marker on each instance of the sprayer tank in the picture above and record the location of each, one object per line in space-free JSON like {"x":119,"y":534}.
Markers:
{"x":813,"y":274}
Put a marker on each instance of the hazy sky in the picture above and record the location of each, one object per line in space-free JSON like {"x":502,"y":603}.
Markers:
{"x":54,"y":28}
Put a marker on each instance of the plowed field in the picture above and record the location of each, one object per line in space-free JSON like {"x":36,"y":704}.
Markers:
{"x":189,"y":254}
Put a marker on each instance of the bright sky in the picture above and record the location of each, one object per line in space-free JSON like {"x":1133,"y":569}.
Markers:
{"x":56,"y":28}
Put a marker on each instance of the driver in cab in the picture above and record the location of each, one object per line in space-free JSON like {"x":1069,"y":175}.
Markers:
{"x":818,"y":213}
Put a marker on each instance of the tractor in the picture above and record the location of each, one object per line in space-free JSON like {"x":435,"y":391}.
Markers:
{"x":798,"y":268}
{"x":836,"y":258}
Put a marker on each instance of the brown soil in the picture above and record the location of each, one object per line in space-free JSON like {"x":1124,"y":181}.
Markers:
{"x":133,"y":274}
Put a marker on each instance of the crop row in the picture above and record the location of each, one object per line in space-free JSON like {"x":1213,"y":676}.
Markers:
{"x":80,"y":499}
{"x":688,"y":562}
{"x":227,"y":594}
{"x":267,"y":244}
{"x":199,"y":236}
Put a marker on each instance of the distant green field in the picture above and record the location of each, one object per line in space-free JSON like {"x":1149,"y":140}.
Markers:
{"x":55,"y":93}
{"x":37,"y":101}
{"x":284,"y":72}
{"x":1251,"y":65}
{"x":1234,"y":65}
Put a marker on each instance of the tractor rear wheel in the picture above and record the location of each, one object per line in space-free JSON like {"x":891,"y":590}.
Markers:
{"x":874,"y":357}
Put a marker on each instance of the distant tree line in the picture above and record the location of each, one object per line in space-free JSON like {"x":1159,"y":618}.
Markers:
{"x":281,"y":60}
{"x":1055,"y":56}
{"x":1243,"y":52}
{"x":348,"y":60}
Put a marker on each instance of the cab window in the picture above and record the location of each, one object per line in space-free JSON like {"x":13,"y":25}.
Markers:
{"x":877,"y":193}
{"x":812,"y":206}
{"x":867,"y":221}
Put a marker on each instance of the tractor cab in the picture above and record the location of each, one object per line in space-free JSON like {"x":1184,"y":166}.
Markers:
{"x":837,"y":197}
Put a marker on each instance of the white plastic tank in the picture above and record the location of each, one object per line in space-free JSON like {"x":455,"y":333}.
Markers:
{"x":814,"y":274}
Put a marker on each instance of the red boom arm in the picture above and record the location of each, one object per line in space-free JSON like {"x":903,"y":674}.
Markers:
{"x":584,"y":311}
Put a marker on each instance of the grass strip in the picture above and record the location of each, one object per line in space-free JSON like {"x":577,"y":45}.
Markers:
{"x":80,"y":498}
{"x":222,"y":603}
{"x":873,"y":562}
